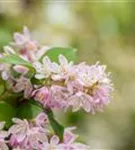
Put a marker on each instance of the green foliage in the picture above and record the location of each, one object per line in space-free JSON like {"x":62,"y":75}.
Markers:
{"x":53,"y":53}
{"x":28,"y":110}
{"x":2,"y":89}
{"x":57,"y":127}
{"x":36,"y":81}
{"x":2,"y":86}
{"x":11,"y":99}
{"x":16,"y":60}
{"x":7,"y":112}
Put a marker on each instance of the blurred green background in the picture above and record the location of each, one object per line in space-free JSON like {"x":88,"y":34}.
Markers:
{"x":101,"y":31}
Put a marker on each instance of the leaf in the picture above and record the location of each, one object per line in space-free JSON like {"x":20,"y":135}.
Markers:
{"x":2,"y":89}
{"x":53,"y":53}
{"x":11,"y":98}
{"x":14,"y":73}
{"x":2,"y":86}
{"x":15,"y":59}
{"x":28,"y":110}
{"x":37,"y":81}
{"x":7,"y":112}
{"x":57,"y":127}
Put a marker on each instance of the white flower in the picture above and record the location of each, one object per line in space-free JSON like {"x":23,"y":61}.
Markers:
{"x":21,"y":39}
{"x":90,"y":75}
{"x":8,"y":50}
{"x":64,"y":70}
{"x":61,"y":71}
{"x":43,"y":70}
{"x":41,"y":52}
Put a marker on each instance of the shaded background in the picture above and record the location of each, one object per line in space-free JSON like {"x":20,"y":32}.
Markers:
{"x":101,"y":31}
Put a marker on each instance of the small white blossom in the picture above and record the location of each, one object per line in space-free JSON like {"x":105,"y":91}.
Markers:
{"x":64,"y":70}
{"x":43,"y":70}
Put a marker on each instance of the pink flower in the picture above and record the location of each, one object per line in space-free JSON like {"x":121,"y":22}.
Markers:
{"x":59,"y":96}
{"x":95,"y":88}
{"x":35,"y":136}
{"x":21,"y":69}
{"x":19,"y":129}
{"x":3,"y":135}
{"x":80,"y":100}
{"x":42,"y":95}
{"x":26,"y":135}
{"x":33,"y":55}
{"x":28,"y":48}
{"x":41,"y":120}
{"x":52,"y":145}
{"x":18,"y":148}
{"x":23,"y":84}
{"x":24,"y":39}
{"x":53,"y":97}
{"x":69,"y":142}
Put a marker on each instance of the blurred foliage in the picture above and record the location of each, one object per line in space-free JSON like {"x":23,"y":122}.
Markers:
{"x":101,"y":31}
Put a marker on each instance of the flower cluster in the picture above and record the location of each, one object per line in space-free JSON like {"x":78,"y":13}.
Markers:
{"x":65,"y":84}
{"x":27,"y":70}
{"x":78,"y":86}
{"x":35,"y":135}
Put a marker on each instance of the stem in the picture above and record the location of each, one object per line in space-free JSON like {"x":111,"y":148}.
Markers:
{"x":57,"y":127}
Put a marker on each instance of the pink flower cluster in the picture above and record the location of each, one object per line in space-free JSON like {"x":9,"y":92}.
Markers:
{"x":29,"y":49}
{"x":35,"y":135}
{"x":78,"y":86}
{"x":64,"y":84}
{"x":31,"y":73}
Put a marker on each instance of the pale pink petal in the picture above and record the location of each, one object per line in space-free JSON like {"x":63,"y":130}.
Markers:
{"x":2,"y":124}
{"x":54,"y":140}
{"x":8,"y":50}
{"x":21,"y":69}
{"x":62,"y":60}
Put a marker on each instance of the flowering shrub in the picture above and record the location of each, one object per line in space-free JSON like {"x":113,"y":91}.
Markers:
{"x":34,"y":81}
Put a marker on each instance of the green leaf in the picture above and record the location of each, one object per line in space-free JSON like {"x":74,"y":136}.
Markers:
{"x":2,"y":86}
{"x":57,"y":127}
{"x":15,"y":59}
{"x":28,"y":110}
{"x":7,"y":112}
{"x":53,"y":53}
{"x":37,"y":81}
{"x":2,"y":89}
{"x":11,"y":98}
{"x":14,"y":73}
